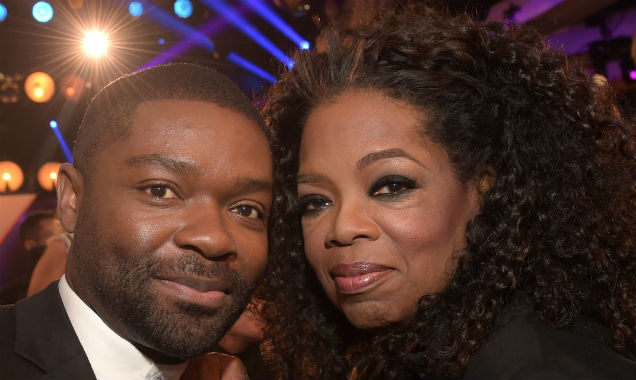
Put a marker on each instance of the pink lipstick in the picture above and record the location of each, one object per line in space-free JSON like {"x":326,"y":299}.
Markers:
{"x":357,"y":277}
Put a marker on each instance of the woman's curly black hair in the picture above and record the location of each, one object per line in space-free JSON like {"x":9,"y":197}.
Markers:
{"x":558,"y":223}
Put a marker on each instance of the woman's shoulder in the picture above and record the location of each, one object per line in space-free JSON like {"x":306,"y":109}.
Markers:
{"x":521,"y":346}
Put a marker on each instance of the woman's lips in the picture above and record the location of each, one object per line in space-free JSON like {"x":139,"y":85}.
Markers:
{"x":357,"y":277}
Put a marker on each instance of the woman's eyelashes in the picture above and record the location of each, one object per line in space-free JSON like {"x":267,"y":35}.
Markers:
{"x":313,"y":204}
{"x":392,"y":186}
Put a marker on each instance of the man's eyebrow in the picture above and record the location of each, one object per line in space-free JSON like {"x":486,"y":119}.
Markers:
{"x":382,"y":155}
{"x":254,"y":185}
{"x":162,"y":161}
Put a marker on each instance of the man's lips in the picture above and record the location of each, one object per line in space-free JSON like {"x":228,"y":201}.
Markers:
{"x":199,"y":283}
{"x":357,"y":277}
{"x":207,"y":292}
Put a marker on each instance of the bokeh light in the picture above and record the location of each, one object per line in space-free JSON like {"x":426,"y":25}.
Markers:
{"x":39,"y":87}
{"x":95,"y":43}
{"x":183,"y":8}
{"x":11,"y":176}
{"x":75,"y":4}
{"x":135,"y":9}
{"x":53,"y":124}
{"x":72,"y":87}
{"x":42,"y":11}
{"x":305,"y":45}
{"x":47,"y":175}
{"x":3,"y":12}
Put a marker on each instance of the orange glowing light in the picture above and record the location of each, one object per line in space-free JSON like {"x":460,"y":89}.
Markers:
{"x":47,"y":175}
{"x":73,"y":87}
{"x":39,"y":87}
{"x":12,"y":176}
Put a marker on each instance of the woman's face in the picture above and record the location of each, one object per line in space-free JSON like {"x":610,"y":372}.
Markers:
{"x":384,"y":214}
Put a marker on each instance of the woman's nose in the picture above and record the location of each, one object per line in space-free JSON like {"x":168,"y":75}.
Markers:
{"x":351,"y":222}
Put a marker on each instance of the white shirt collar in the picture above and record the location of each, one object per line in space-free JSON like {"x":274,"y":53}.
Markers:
{"x":111,"y":356}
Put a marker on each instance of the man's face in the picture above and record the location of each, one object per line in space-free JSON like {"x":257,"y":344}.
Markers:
{"x":171,"y":229}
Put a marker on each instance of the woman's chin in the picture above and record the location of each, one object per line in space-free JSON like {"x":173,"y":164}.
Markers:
{"x":368,"y":316}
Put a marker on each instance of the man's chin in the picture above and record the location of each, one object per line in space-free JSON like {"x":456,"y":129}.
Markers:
{"x":181,"y":331}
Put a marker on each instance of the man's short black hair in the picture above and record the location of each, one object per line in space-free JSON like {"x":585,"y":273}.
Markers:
{"x":108,"y":116}
{"x":30,"y":228}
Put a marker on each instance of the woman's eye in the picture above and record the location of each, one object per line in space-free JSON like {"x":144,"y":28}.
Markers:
{"x":314,"y":204}
{"x":248,"y":211}
{"x":161,"y":192}
{"x":392,"y":186}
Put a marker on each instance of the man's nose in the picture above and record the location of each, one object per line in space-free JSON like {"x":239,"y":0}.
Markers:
{"x":205,"y":230}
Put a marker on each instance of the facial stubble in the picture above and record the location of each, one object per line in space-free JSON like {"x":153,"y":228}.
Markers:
{"x":118,"y":285}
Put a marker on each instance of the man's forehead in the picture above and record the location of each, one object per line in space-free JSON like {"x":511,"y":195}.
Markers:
{"x":156,"y":108}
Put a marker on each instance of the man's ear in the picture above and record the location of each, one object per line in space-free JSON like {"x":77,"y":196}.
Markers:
{"x":70,"y":185}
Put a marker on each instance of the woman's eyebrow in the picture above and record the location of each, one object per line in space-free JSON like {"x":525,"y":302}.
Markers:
{"x":382,"y":155}
{"x":310,"y":178}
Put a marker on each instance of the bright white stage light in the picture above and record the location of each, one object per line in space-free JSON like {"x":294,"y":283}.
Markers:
{"x":95,"y":43}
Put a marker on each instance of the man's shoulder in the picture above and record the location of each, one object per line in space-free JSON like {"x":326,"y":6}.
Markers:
{"x":13,"y":364}
{"x":37,"y":339}
{"x":7,"y":321}
{"x":524,"y":346}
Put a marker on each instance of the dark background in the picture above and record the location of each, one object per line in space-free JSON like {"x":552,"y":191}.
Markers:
{"x":27,"y":46}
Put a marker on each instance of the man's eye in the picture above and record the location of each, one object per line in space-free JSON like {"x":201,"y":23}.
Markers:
{"x":248,"y":211}
{"x":160,"y":192}
{"x":313,"y":204}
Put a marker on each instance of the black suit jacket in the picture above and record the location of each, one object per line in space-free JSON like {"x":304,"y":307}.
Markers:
{"x":37,"y":340}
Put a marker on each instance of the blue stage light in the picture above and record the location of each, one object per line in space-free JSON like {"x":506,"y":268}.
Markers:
{"x":3,"y":12}
{"x":178,"y":26}
{"x":249,"y":66}
{"x":135,"y":9}
{"x":238,"y":21}
{"x":196,"y":37}
{"x":183,"y":8}
{"x":161,"y":41}
{"x":270,"y":16}
{"x":60,"y":139}
{"x":42,"y":11}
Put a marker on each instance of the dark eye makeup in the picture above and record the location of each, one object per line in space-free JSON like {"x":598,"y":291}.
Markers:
{"x":392,"y":186}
